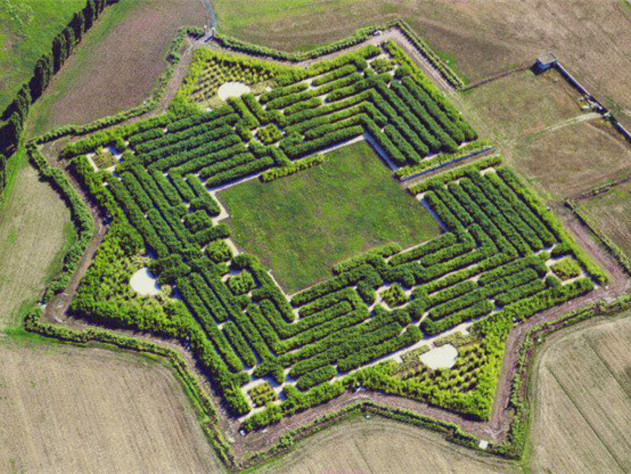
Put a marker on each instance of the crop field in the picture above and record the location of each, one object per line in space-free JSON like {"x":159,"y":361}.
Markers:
{"x":538,"y":121}
{"x":548,"y":157}
{"x":118,"y":62}
{"x":523,"y":104}
{"x":583,"y":405}
{"x":270,"y":355}
{"x":28,"y":28}
{"x":610,"y":212}
{"x":358,"y":446}
{"x":34,"y":230}
{"x":69,"y":409}
{"x":306,"y":223}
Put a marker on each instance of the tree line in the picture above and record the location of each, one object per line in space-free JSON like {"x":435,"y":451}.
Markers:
{"x":14,"y":116}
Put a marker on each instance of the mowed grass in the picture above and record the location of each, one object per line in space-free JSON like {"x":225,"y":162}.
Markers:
{"x":379,"y":445}
{"x":301,"y":225}
{"x":611,"y":212}
{"x":78,"y":409}
{"x":34,"y":230}
{"x":27,"y":29}
{"x":582,"y":396}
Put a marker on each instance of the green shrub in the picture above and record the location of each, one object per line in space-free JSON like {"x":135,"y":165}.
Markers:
{"x":566,"y":268}
{"x":394,"y":296}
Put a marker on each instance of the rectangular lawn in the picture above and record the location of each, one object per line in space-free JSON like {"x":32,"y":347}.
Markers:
{"x":301,"y":225}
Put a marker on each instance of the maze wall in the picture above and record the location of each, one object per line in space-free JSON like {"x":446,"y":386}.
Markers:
{"x":259,"y":347}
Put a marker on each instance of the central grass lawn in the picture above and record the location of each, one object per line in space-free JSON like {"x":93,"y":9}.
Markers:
{"x":301,"y":225}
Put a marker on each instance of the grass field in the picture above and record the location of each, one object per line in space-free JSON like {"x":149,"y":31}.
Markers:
{"x":522,"y":104}
{"x":70,"y":409}
{"x":610,"y":211}
{"x":482,"y":37}
{"x":27,"y":29}
{"x":582,"y":419}
{"x":575,"y":158}
{"x":300,"y":226}
{"x":118,"y":62}
{"x":34,"y":228}
{"x":380,"y":445}
{"x":539,"y":125}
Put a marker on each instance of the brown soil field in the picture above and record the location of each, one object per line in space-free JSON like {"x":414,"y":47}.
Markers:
{"x":483,"y":37}
{"x":34,"y":228}
{"x":582,"y":395}
{"x":521,"y":104}
{"x":70,"y":409}
{"x":610,"y":212}
{"x":379,"y":445}
{"x":538,"y":124}
{"x":565,"y":161}
{"x":118,"y":62}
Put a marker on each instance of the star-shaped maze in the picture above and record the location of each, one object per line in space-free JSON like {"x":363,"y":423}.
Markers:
{"x":368,"y":324}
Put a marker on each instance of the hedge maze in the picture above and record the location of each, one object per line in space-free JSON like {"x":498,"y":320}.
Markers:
{"x":269,"y":355}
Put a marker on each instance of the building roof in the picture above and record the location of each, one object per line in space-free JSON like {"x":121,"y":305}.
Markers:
{"x":547,"y":58}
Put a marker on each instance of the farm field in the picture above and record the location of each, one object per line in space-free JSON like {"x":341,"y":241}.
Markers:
{"x":34,"y":229}
{"x":306,"y":223}
{"x":71,"y":409}
{"x":610,"y":212}
{"x":582,"y":393}
{"x":546,"y":158}
{"x":27,"y":30}
{"x":522,"y":104}
{"x":359,"y":446}
{"x":117,"y":64}
{"x":482,"y":38}
{"x":541,"y":129}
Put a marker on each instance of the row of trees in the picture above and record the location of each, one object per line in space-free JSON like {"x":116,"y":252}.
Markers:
{"x":45,"y":68}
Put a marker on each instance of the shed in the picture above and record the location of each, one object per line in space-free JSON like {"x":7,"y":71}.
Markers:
{"x":545,"y":62}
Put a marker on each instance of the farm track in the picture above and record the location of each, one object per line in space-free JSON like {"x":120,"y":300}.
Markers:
{"x":495,"y":429}
{"x":59,"y":304}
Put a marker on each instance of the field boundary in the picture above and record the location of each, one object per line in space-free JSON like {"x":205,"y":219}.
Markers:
{"x":605,"y":242}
